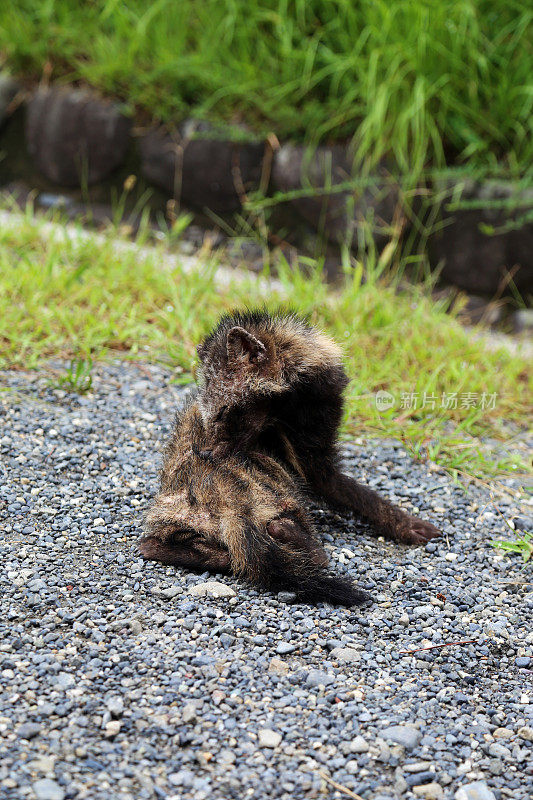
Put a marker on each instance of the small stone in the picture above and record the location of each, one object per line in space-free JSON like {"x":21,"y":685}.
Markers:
{"x":29,"y":730}
{"x":502,"y":733}
{"x":383,"y":751}
{"x":499,"y":751}
{"x":278,"y":667}
{"x":43,"y":763}
{"x":211,"y":589}
{"x":317,"y":677}
{"x":37,"y":585}
{"x":358,"y":745}
{"x":346,"y":655}
{"x":226,"y":756}
{"x":172,"y":591}
{"x":522,"y":661}
{"x":420,"y":778}
{"x":47,"y":789}
{"x":184,"y":777}
{"x":478,"y":790}
{"x":65,"y":680}
{"x":135,"y":626}
{"x":406,"y":735}
{"x":286,"y":597}
{"x":189,"y":712}
{"x":420,"y":612}
{"x":495,"y":766}
{"x":400,"y":784}
{"x":526,"y":733}
{"x":115,"y":706}
{"x":285,"y":647}
{"x":112,"y":728}
{"x":417,"y":766}
{"x":218,"y":696}
{"x":268,"y":738}
{"x":429,"y":791}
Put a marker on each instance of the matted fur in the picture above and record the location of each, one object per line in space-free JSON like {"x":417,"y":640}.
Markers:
{"x":242,"y":514}
{"x":262,"y":432}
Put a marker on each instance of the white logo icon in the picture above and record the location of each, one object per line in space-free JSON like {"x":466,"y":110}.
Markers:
{"x":384,"y":400}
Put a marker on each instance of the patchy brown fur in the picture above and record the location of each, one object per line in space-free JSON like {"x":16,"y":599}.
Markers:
{"x":263,"y":428}
{"x":238,"y":515}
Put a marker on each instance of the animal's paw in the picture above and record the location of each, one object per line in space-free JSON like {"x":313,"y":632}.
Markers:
{"x":149,"y":547}
{"x":416,"y":531}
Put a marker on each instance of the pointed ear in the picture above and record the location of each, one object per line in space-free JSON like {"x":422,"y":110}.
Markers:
{"x":242,"y":344}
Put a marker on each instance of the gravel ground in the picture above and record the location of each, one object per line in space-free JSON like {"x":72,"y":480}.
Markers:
{"x":119,"y":680}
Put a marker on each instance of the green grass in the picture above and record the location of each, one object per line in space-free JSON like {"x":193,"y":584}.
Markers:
{"x":84,"y":298}
{"x":422,"y":81}
{"x":77,"y":377}
{"x":522,"y":545}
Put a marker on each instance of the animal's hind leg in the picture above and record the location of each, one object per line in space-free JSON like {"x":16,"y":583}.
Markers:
{"x":342,"y":491}
{"x":195,"y":553}
{"x":299,"y":563}
{"x":292,"y":533}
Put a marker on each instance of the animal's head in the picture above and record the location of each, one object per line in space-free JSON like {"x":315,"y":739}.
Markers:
{"x":250,"y":358}
{"x":239,"y":371}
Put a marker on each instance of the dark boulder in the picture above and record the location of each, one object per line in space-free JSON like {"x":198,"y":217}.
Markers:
{"x":200,"y":170}
{"x":75,"y":137}
{"x":486,"y":232}
{"x":369,"y":205}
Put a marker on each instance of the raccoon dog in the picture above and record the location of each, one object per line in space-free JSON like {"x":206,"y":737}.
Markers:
{"x":259,"y":437}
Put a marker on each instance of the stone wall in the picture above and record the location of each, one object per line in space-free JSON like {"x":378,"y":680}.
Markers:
{"x":481,"y":233}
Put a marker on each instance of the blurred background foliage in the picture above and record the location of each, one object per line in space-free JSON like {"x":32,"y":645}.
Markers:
{"x":419,"y":82}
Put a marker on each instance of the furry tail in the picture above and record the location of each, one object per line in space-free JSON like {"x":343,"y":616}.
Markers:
{"x":276,"y":566}
{"x":332,"y":589}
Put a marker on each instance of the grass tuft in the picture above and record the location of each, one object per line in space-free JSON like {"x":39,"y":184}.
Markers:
{"x":77,"y":377}
{"x":523,"y":546}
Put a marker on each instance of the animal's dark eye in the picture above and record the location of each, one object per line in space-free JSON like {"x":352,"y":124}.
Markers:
{"x":220,"y":414}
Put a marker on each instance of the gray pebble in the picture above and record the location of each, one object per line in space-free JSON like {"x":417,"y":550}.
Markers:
{"x":115,"y":706}
{"x":317,"y":677}
{"x":47,"y":789}
{"x":28,"y":730}
{"x":285,"y":647}
{"x":478,"y":790}
{"x":213,"y":589}
{"x":406,"y":735}
{"x":268,"y":738}
{"x":346,"y":655}
{"x":359,"y":745}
